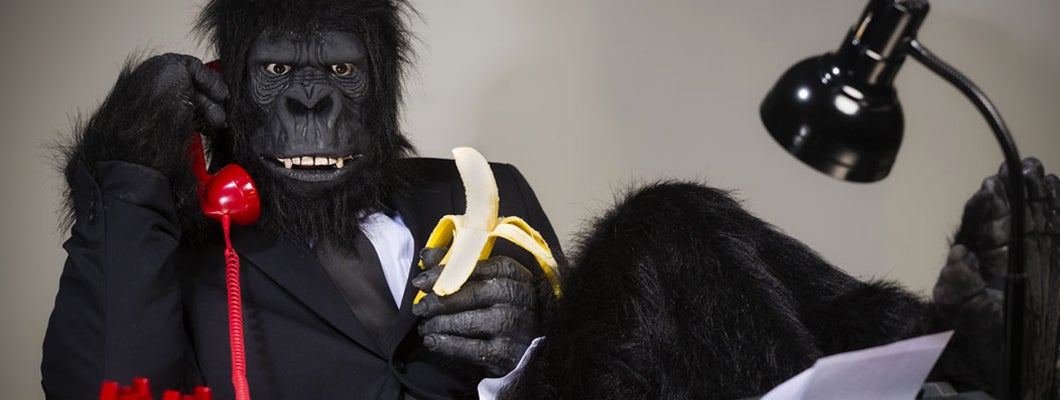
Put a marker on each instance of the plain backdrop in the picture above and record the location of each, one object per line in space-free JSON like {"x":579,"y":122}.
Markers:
{"x":588,"y":99}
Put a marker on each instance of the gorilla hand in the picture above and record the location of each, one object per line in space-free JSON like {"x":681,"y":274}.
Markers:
{"x":969,"y":290}
{"x":148,"y":116}
{"x":489,"y":322}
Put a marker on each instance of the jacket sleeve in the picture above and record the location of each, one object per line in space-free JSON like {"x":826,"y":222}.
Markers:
{"x":118,"y":311}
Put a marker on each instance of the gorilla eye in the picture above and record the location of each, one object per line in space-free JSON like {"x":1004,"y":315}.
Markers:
{"x":344,"y":69}
{"x":277,"y":69}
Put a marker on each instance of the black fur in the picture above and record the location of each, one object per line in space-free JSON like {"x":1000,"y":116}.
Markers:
{"x":680,"y":293}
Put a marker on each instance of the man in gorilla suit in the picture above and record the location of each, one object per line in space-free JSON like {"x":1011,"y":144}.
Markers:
{"x":678,"y":292}
{"x":308,"y":105}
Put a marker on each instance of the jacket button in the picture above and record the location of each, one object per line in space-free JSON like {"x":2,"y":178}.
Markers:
{"x":399,"y":366}
{"x":92,"y":210}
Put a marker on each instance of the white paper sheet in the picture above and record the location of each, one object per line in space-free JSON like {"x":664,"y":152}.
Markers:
{"x":893,"y":371}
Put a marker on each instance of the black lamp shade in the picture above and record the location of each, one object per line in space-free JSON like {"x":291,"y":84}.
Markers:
{"x":839,"y":112}
{"x":851,"y":132}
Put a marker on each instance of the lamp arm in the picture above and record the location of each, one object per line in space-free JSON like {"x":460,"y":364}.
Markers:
{"x":1016,"y":278}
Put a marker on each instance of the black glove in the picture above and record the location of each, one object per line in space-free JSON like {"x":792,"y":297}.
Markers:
{"x":150,"y":114}
{"x":490,"y":321}
{"x":969,"y":292}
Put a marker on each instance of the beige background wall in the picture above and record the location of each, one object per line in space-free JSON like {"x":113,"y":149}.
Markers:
{"x":587,"y":98}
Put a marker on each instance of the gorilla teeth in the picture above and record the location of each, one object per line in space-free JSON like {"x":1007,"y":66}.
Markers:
{"x":314,"y":161}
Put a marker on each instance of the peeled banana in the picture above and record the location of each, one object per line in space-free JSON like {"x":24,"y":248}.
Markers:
{"x":471,"y":236}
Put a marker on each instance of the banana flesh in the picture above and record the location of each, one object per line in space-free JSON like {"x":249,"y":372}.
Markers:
{"x":471,"y":236}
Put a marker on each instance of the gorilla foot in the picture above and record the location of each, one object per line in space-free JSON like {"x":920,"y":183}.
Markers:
{"x":968,"y":292}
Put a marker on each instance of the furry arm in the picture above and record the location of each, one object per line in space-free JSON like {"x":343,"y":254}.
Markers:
{"x":118,"y":312}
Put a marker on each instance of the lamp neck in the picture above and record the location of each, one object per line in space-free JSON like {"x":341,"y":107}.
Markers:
{"x":874,"y":49}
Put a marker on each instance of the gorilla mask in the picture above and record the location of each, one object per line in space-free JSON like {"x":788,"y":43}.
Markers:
{"x":315,"y":91}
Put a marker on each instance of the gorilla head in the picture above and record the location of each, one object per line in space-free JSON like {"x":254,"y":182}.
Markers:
{"x":313,"y":113}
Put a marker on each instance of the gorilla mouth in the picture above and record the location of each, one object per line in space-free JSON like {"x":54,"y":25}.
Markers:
{"x":314,"y":162}
{"x":313,"y":168}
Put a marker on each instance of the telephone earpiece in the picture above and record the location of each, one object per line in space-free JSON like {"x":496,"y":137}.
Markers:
{"x":228,"y":192}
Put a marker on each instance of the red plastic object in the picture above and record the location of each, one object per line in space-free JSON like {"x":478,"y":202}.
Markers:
{"x":229,"y":192}
{"x":229,"y":196}
{"x":201,"y":393}
{"x":235,"y":316}
{"x":141,"y":390}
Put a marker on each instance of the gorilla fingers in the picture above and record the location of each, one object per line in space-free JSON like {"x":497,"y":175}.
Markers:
{"x":489,"y":322}
{"x":149,"y":116}
{"x":199,"y":89}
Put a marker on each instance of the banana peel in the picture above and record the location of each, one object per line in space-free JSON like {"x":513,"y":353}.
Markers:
{"x":470,"y":237}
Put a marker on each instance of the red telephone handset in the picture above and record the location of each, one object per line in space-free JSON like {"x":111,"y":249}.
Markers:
{"x":229,"y":192}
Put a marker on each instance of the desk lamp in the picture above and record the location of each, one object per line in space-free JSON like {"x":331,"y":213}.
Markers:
{"x":839,"y":113}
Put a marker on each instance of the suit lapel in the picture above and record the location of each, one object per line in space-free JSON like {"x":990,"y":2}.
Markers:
{"x":299,"y":272}
{"x":420,"y":212}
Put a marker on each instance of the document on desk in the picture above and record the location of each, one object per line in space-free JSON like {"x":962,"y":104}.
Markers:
{"x":894,"y":371}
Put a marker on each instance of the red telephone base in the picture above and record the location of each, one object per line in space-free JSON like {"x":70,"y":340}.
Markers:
{"x":141,"y":390}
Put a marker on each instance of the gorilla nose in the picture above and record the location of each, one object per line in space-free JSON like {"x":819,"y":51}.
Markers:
{"x":317,"y":102}
{"x":300,"y":107}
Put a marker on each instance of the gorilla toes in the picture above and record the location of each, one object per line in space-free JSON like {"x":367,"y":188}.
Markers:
{"x":985,"y":232}
{"x":986,"y":222}
{"x":959,"y":280}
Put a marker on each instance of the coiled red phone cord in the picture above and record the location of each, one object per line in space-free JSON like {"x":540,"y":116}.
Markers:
{"x":235,"y":316}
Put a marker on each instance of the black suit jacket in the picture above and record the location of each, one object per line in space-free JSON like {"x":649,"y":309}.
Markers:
{"x":134,"y":302}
